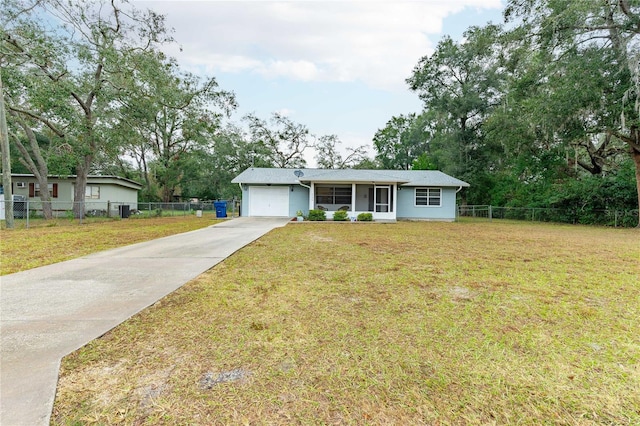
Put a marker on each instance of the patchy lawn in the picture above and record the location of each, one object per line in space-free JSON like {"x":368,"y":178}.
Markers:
{"x":408,"y":323}
{"x":24,"y":249}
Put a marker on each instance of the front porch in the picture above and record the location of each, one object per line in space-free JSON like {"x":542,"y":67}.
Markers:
{"x":380,"y":199}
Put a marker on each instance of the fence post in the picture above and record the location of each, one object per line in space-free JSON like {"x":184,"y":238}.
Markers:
{"x":27,"y":212}
{"x":490,"y":212}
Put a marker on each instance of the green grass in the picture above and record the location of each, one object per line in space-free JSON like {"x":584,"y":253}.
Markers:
{"x":408,"y":323}
{"x":61,"y":240}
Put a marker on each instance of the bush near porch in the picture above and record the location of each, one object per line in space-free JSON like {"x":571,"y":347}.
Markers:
{"x":317,"y":215}
{"x":341,"y":216}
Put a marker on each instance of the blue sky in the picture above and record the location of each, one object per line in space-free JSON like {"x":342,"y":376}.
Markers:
{"x":336,"y":66}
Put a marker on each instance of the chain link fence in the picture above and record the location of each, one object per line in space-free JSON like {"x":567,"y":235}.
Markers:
{"x":612,"y":217}
{"x":33,"y":213}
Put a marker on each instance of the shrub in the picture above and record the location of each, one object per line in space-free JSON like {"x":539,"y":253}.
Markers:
{"x":340,"y":216}
{"x":365,"y":217}
{"x":317,"y":215}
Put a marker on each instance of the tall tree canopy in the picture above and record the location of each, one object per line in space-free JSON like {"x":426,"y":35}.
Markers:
{"x":282,"y":140}
{"x":166,"y":116}
{"x":403,"y":140}
{"x":593,"y":56}
{"x":75,"y":55}
{"x":523,"y":113}
{"x":328,"y":155}
{"x":460,"y":84}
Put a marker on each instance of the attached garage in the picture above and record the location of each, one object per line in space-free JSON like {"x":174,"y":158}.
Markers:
{"x":269,"y":201}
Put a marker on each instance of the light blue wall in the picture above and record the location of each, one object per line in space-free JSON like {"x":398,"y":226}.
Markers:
{"x":408,"y":210}
{"x":299,"y":200}
{"x":244,"y":202}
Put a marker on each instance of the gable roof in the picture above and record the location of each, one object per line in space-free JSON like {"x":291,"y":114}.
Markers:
{"x":258,"y":175}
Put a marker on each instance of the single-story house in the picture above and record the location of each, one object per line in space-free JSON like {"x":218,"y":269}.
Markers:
{"x":103,"y":194}
{"x":388,"y":194}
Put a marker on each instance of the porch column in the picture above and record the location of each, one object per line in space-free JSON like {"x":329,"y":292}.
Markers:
{"x":312,"y":195}
{"x":353,"y":197}
{"x":394,"y":188}
{"x":375,"y":199}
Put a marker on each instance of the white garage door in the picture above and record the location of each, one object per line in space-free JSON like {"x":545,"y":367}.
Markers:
{"x":269,"y":201}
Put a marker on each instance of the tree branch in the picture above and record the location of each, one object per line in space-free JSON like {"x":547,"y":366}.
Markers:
{"x":41,"y":119}
{"x":626,"y":9}
{"x":628,"y":140}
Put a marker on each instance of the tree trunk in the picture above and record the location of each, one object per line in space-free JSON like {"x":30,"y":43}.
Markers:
{"x":6,"y":163}
{"x":45,"y":198}
{"x":82,"y":172}
{"x":35,"y":162}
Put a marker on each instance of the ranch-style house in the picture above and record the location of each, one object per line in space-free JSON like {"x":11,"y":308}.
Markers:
{"x":387,"y":194}
{"x":103,"y":194}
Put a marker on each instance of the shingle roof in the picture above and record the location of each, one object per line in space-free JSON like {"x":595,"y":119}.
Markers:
{"x":402,"y":177}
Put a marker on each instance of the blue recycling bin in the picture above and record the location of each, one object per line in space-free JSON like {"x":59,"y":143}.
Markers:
{"x":221,"y":208}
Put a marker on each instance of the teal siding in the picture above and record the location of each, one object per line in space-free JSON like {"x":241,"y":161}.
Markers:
{"x":408,"y":210}
{"x":299,"y":200}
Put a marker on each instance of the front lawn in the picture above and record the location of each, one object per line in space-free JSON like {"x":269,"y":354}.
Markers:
{"x":24,"y":249}
{"x":407,"y":323}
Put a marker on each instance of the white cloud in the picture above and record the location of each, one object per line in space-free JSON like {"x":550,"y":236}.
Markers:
{"x":297,"y":70}
{"x":375,"y":42}
{"x":285,"y":112}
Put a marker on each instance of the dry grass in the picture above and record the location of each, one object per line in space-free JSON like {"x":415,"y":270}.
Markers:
{"x":24,"y":249}
{"x":411,"y":323}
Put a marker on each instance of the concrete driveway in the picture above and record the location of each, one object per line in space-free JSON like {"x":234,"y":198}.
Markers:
{"x":48,"y":312}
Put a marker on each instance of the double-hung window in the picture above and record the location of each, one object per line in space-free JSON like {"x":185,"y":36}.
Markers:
{"x":34,"y":190}
{"x":92,"y":192}
{"x":428,"y":197}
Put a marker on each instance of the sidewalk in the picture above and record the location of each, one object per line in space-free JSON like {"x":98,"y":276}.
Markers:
{"x":48,"y":312}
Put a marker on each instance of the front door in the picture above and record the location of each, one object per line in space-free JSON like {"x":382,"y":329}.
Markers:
{"x":383,"y":199}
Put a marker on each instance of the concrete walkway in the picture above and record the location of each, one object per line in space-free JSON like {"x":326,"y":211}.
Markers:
{"x":48,"y":312}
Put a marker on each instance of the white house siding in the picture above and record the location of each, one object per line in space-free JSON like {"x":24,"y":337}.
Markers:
{"x":408,"y":210}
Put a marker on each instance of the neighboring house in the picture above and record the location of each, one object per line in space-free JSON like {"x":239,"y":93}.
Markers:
{"x":388,"y":194}
{"x":103,"y":193}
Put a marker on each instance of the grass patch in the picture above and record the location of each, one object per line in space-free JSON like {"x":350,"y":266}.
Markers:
{"x":408,"y":323}
{"x":24,"y":249}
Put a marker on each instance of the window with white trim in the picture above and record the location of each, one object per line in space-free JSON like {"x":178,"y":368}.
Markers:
{"x":428,"y":197}
{"x":338,"y":194}
{"x":92,"y":192}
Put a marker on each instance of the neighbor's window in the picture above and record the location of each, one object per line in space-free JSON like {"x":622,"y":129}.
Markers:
{"x":333,"y":194}
{"x":428,"y":197}
{"x":92,"y":192}
{"x":34,"y":190}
